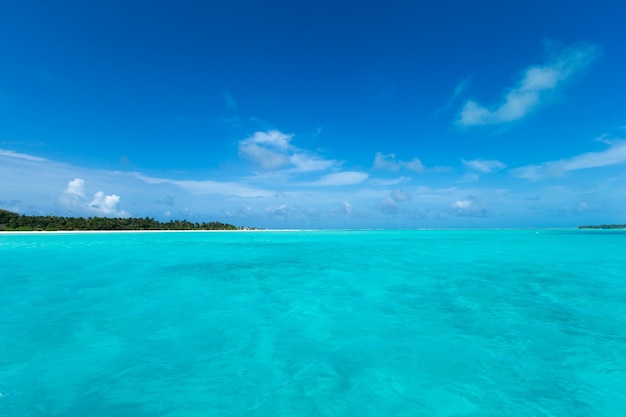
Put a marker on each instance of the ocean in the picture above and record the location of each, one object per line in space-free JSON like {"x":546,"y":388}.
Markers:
{"x":314,"y":323}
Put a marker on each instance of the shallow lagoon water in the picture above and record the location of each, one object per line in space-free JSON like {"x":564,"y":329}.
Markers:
{"x":318,"y":323}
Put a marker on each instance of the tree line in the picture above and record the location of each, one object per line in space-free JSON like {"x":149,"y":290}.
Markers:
{"x":10,"y":221}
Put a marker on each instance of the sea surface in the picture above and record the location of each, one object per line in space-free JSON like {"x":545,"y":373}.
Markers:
{"x":316,"y":323}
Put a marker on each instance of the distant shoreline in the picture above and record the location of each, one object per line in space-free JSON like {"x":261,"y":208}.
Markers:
{"x":77,"y":232}
{"x":14,"y":222}
{"x":604,"y":226}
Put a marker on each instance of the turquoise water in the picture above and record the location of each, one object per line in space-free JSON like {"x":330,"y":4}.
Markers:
{"x":380,"y":323}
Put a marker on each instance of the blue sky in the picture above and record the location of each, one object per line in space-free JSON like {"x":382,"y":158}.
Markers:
{"x":302,"y":114}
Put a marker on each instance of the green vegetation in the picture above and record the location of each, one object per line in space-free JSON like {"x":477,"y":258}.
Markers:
{"x":604,"y":226}
{"x":10,"y":221}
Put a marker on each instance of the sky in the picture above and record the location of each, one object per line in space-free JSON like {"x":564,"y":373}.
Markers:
{"x":316,"y":114}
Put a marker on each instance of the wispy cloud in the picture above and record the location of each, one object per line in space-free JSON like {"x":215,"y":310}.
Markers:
{"x":413,"y":165}
{"x":389,"y":182}
{"x":273,"y":150}
{"x":303,"y":162}
{"x":266,"y":149}
{"x":394,"y":202}
{"x":484,"y":166}
{"x":341,"y":178}
{"x":388,"y":162}
{"x":536,"y":81}
{"x":208,"y":187}
{"x":469,"y":207}
{"x":612,"y":156}
{"x":615,"y":155}
{"x":461,"y":204}
{"x":280,"y":212}
{"x":456,"y":94}
{"x":231,"y":103}
{"x":398,"y":195}
{"x":23,"y":156}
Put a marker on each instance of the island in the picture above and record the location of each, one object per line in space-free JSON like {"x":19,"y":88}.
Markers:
{"x":604,"y":226}
{"x":10,"y":222}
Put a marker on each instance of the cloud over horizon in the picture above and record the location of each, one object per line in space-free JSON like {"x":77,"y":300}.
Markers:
{"x":75,"y":197}
{"x":615,"y":155}
{"x":323,"y":198}
{"x":469,"y":207}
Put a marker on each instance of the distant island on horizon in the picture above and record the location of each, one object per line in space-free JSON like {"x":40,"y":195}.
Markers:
{"x":14,"y":222}
{"x":604,"y":226}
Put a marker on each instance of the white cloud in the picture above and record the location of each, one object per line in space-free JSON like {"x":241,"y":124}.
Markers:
{"x":305,"y":163}
{"x":277,"y":211}
{"x":468,"y":207}
{"x":615,"y":155}
{"x":535,"y":83}
{"x":539,"y":172}
{"x":272,"y":150}
{"x":76,"y":188}
{"x":484,"y":166}
{"x":107,"y":204}
{"x":266,"y":158}
{"x":398,"y":195}
{"x":612,"y":156}
{"x":273,"y":138}
{"x":75,"y":196}
{"x":414,"y":165}
{"x":462,"y":204}
{"x":341,"y":178}
{"x":388,"y":162}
